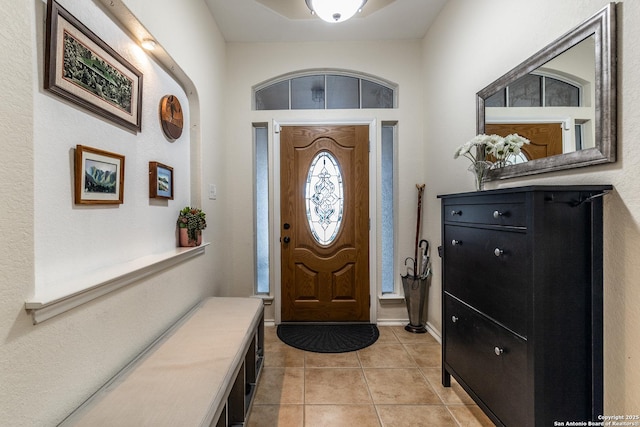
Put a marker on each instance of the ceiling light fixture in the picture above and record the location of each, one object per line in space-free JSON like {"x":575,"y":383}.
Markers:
{"x":335,"y":10}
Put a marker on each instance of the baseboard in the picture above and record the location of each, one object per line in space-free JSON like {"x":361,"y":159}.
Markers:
{"x":403,"y":322}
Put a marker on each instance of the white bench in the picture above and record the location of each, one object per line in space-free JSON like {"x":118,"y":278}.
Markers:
{"x":201,"y":372}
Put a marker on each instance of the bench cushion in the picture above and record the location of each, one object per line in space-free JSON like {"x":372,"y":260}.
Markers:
{"x":183,"y":378}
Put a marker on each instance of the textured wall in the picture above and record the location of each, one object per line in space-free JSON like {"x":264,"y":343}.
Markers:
{"x":110,"y":234}
{"x":16,"y":208}
{"x":474,"y":43}
{"x":48,"y":369}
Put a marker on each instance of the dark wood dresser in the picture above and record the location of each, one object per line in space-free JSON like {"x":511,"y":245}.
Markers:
{"x":522,"y":301}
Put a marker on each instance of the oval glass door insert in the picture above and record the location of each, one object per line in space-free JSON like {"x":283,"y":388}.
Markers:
{"x":324,"y":195}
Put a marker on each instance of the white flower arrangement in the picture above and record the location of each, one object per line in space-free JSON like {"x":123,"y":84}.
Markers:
{"x":482,"y":147}
{"x":501,"y":148}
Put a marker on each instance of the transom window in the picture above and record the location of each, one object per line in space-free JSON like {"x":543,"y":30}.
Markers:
{"x":534,"y":90}
{"x":320,"y":91}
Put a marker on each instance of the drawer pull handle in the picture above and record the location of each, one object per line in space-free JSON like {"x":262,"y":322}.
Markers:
{"x":498,"y":214}
{"x":498,"y":252}
{"x":455,"y":242}
{"x":454,"y":319}
{"x":454,"y":213}
{"x":499,"y":351}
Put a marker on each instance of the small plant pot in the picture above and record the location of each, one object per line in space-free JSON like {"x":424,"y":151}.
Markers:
{"x":186,"y":242}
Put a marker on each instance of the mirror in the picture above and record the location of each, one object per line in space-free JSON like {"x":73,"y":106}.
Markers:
{"x":563,"y":99}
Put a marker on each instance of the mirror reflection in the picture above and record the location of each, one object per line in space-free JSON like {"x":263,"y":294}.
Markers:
{"x":563,"y":99}
{"x":553,"y":106}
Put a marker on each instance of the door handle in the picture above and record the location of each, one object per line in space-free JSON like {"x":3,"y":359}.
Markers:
{"x":286,"y":239}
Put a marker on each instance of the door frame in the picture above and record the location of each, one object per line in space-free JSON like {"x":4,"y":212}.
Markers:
{"x":275,"y":261}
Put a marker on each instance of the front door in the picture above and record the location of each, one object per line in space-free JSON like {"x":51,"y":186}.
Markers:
{"x":546,"y":138}
{"x":324,"y":178}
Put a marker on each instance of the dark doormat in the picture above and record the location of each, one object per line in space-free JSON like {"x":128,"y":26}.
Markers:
{"x":329,"y":338}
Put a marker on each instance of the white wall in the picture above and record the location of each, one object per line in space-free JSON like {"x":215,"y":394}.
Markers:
{"x":77,"y":240}
{"x":474,"y":43}
{"x":251,"y":64}
{"x":50,"y":368}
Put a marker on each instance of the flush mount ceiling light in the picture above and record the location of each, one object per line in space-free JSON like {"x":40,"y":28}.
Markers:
{"x":335,"y":10}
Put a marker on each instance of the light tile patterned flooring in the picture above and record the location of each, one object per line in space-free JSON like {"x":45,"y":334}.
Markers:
{"x":393,"y":383}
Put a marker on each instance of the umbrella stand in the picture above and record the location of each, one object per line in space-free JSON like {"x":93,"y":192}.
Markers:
{"x":415,"y":285}
{"x":415,"y":295}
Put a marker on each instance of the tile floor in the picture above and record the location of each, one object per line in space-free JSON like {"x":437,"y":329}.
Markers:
{"x":395,"y":382}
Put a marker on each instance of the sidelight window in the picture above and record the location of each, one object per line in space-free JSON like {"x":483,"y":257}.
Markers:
{"x":387,"y":222}
{"x":261,"y":201}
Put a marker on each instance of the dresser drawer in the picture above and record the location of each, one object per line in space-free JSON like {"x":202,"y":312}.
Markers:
{"x":500,"y":213}
{"x":489,"y":270}
{"x":491,"y":361}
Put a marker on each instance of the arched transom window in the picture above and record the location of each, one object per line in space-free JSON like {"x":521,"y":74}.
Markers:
{"x":335,"y":89}
{"x":538,"y":90}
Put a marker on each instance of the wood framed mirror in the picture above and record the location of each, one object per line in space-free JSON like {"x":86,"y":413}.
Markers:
{"x":563,"y":99}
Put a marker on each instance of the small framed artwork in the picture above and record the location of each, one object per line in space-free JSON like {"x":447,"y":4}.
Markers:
{"x":99,"y":176}
{"x":83,"y":69}
{"x":160,"y":181}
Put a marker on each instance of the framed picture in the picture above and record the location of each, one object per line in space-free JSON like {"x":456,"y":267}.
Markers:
{"x":160,"y":181}
{"x":99,"y":176}
{"x":83,"y":69}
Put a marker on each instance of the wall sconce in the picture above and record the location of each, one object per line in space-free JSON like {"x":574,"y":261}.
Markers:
{"x":148,"y":44}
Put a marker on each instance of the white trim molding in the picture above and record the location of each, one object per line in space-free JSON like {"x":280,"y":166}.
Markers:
{"x":47,"y":304}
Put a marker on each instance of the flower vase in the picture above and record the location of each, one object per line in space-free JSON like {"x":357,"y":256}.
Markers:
{"x":186,"y":241}
{"x":480,"y":170}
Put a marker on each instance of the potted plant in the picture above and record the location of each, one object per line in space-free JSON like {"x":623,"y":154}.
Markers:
{"x":191,"y":222}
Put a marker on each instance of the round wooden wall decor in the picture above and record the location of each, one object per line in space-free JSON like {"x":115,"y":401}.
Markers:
{"x":171,"y":116}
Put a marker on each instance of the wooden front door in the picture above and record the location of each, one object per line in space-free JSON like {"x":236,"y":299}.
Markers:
{"x":546,"y":138}
{"x":324,"y":230}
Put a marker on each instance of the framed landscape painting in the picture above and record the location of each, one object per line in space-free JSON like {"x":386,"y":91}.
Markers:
{"x":83,"y":69}
{"x":160,"y":181}
{"x":99,"y":176}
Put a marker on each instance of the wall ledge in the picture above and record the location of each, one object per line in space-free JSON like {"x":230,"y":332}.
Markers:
{"x":47,"y":304}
